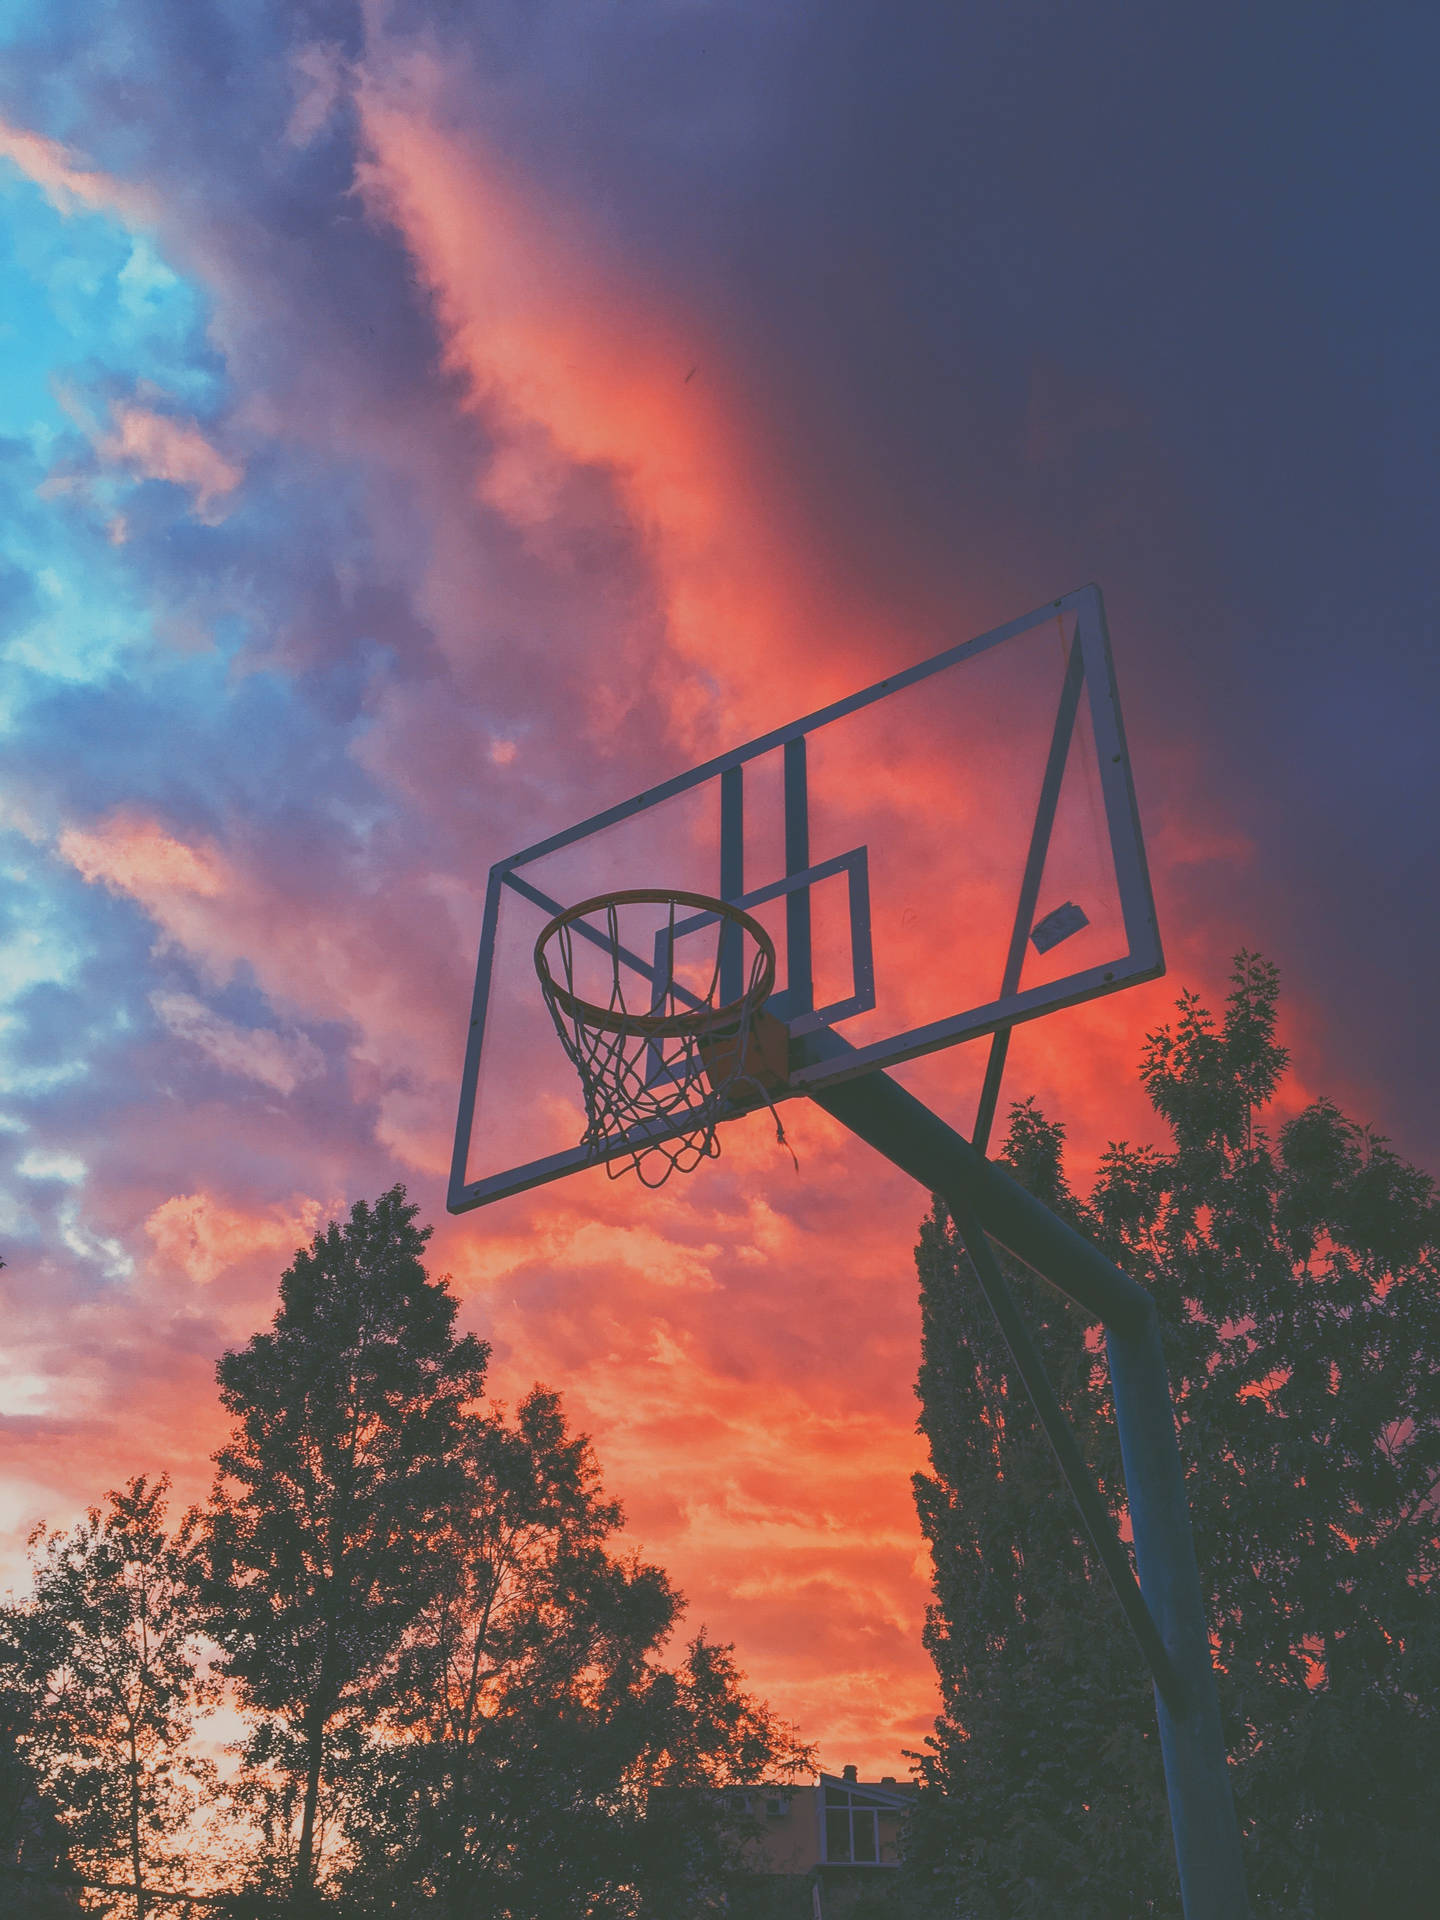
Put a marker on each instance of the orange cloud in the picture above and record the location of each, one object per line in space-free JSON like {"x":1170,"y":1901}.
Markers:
{"x":742,"y":1345}
{"x":201,"y":1236}
{"x":574,"y":370}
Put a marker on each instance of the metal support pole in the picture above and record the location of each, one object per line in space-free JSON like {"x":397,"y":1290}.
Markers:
{"x":1192,"y":1743}
{"x":1202,"y":1814}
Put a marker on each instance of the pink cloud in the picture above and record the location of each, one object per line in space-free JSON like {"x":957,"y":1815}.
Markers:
{"x":574,"y":369}
{"x":158,"y":446}
{"x":133,"y":855}
{"x":202,"y":1236}
{"x":69,"y":184}
{"x":317,"y":945}
{"x":276,"y":1060}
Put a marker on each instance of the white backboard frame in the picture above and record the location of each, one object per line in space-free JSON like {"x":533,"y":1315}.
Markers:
{"x":1089,"y":680}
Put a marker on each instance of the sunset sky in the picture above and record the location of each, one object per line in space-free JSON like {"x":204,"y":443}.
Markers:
{"x":420,"y":434}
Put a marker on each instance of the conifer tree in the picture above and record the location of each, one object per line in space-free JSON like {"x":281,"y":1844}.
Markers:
{"x":1295,"y":1272}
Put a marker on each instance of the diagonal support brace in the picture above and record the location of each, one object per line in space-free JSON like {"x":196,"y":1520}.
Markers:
{"x":1094,"y":1514}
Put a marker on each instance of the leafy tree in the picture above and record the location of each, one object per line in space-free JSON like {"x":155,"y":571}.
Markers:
{"x":1296,"y":1279}
{"x":104,"y":1677}
{"x":351,"y":1420}
{"x":1044,"y":1790}
{"x":33,"y":1852}
{"x":531,"y":1756}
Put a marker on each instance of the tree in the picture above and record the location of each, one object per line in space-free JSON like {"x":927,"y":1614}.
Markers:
{"x":1296,"y":1279}
{"x":530,"y":1755}
{"x":351,"y":1418}
{"x":1043,"y":1784}
{"x":34,"y":1855}
{"x":104,"y":1669}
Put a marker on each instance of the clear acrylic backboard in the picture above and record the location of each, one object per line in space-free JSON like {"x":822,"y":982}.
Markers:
{"x":945,"y":854}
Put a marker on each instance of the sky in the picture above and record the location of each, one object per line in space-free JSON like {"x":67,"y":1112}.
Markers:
{"x":423,"y":425}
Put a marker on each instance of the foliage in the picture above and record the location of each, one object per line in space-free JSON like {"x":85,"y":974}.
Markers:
{"x":530,"y":1754}
{"x":33,"y":1850}
{"x":1295,"y":1277}
{"x":103,"y":1668}
{"x":453,"y":1675}
{"x":1031,"y":1805}
{"x":350,"y":1416}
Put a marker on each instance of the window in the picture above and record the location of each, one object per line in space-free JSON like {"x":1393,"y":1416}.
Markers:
{"x":775,"y":1807}
{"x":852,"y":1827}
{"x":739,"y":1803}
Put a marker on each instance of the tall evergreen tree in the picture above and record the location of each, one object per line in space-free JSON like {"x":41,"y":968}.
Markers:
{"x":105,"y":1677}
{"x":1296,"y":1279}
{"x":351,"y":1416}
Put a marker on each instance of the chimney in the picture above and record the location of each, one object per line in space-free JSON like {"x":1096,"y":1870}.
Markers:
{"x":851,"y":1774}
{"x":887,"y":1779}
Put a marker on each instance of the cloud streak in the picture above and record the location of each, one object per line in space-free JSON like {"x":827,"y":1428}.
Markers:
{"x":68,"y":183}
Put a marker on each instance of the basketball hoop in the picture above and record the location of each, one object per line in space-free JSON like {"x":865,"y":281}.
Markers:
{"x":658,"y":1080}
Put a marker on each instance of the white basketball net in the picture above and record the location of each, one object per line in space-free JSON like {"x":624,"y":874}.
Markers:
{"x":652,"y":1099}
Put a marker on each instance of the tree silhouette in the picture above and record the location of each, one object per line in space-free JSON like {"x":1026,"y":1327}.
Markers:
{"x":451,"y":1670}
{"x":34,"y":1849}
{"x":1296,"y":1278}
{"x":351,"y":1418}
{"x":530,"y":1755}
{"x":105,"y":1670}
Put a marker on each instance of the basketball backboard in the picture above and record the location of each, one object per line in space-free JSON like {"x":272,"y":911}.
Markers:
{"x":945,"y":854}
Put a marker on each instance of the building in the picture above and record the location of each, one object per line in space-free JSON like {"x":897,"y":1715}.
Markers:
{"x":829,"y":1841}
